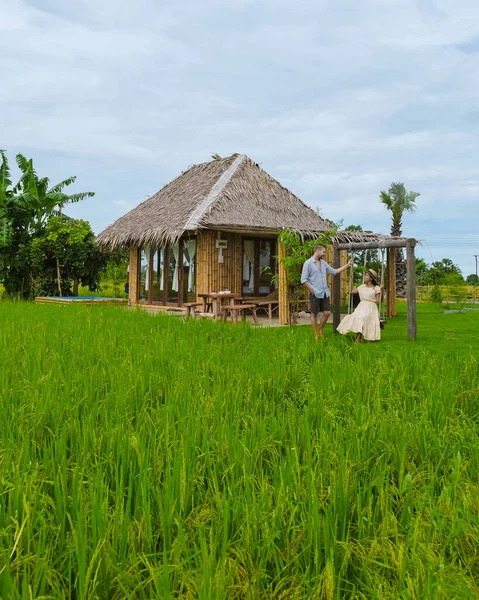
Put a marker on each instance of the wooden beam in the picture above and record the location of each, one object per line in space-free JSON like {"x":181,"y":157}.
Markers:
{"x":391,"y":292}
{"x":133,"y":278}
{"x":411,"y":291}
{"x":180,"y":272}
{"x":283,"y":287}
{"x":374,"y":245}
{"x":166,"y":270}
{"x":151,"y":258}
{"x":336,"y":290}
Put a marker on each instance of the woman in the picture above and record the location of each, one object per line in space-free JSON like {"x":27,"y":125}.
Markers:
{"x":364,"y":321}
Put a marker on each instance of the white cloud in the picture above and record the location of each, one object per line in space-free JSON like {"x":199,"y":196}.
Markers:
{"x":334,"y":99}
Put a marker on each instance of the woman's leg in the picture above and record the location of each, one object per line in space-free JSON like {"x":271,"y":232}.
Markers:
{"x":358,"y":339}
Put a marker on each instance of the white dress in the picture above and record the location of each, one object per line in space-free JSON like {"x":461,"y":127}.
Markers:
{"x":365,"y":318}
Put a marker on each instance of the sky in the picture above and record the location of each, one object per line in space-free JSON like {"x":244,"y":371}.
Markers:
{"x":335,"y":99}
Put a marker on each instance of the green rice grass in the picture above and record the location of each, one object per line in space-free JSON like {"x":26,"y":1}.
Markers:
{"x":149,"y":457}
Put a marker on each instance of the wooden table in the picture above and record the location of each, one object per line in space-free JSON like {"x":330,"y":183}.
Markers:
{"x":217,"y":300}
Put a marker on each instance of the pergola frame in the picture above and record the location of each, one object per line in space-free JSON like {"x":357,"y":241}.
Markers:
{"x":390,"y":245}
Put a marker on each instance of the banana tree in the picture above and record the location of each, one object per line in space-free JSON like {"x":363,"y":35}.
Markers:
{"x":43,"y":200}
{"x":5,"y":194}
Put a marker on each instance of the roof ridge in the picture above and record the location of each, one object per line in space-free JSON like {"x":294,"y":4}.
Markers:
{"x":194,"y":220}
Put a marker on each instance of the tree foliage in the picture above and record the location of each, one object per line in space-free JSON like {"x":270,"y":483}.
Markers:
{"x":72,"y":243}
{"x":298,"y":251}
{"x":34,"y":233}
{"x":441,"y":272}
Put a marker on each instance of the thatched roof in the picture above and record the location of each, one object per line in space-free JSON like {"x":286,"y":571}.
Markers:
{"x":226,"y":193}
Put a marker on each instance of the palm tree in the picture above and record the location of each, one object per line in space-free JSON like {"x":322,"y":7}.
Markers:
{"x":398,"y":200}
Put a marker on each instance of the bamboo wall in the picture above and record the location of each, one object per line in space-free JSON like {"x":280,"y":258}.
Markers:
{"x":212,"y":276}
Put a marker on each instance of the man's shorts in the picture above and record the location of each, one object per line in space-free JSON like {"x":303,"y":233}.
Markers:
{"x":318,"y":304}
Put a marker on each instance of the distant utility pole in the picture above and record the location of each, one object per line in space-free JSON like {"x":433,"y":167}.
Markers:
{"x":475,"y":282}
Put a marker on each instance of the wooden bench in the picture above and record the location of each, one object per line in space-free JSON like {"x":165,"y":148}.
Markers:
{"x":190,"y":309}
{"x":234,"y":310}
{"x":269,"y":305}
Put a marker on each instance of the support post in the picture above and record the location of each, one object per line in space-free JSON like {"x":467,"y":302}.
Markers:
{"x":151,"y":257}
{"x":166,"y":270}
{"x":181,"y":272}
{"x":134,"y":277}
{"x":411,"y":291}
{"x":391,"y":291}
{"x":336,"y":290}
{"x":283,"y":288}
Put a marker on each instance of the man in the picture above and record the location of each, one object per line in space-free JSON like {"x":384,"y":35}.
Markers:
{"x":313,"y":277}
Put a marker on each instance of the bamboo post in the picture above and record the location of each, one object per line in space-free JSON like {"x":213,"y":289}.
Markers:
{"x":151,"y":258}
{"x":134,"y":279}
{"x":283,"y":290}
{"x":166,"y":271}
{"x":391,"y":292}
{"x":411,"y":291}
{"x":336,"y":290}
{"x":343,"y":277}
{"x":180,"y":272}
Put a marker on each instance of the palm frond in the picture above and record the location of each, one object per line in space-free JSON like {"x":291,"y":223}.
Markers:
{"x":398,"y":200}
{"x":5,"y":181}
{"x":5,"y":232}
{"x":386,"y":199}
{"x":28,"y":173}
{"x":24,"y":164}
{"x":26,"y":200}
{"x":77,"y":197}
{"x":30,"y":184}
{"x":59,"y":186}
{"x":56,"y":198}
{"x":42,"y":185}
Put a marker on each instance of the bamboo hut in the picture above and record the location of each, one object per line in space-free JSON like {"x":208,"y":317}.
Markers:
{"x":214,"y":228}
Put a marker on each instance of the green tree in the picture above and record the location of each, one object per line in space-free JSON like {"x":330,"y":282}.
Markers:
{"x":116,"y":270}
{"x":423,"y":274}
{"x":6,"y":193}
{"x":445,"y":272}
{"x":398,"y":200}
{"x":44,"y":200}
{"x":14,"y":233}
{"x":24,"y":211}
{"x":71,"y":242}
{"x":472,"y":279}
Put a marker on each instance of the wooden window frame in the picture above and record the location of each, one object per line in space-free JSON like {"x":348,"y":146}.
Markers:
{"x":257,"y":243}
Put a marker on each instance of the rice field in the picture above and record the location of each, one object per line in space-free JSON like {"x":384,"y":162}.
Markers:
{"x":147,"y":457}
